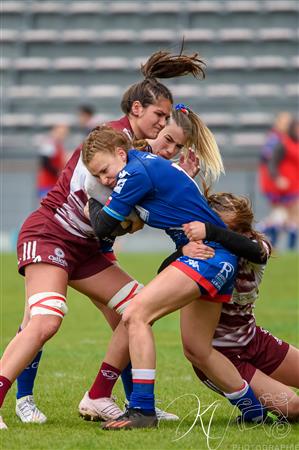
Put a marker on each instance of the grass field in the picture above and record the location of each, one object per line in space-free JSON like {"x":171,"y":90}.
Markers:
{"x":71,"y":360}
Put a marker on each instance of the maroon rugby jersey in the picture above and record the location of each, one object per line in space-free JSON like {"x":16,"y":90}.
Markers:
{"x":66,"y":201}
{"x":237,"y":324}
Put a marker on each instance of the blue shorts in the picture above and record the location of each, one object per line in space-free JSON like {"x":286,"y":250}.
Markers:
{"x":215,"y":276}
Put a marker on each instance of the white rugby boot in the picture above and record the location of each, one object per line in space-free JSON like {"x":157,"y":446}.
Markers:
{"x":97,"y":409}
{"x":161,"y":415}
{"x":28,"y":412}
{"x":2,"y":424}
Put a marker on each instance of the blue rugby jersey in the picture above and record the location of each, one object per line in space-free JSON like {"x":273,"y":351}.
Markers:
{"x":163,"y":194}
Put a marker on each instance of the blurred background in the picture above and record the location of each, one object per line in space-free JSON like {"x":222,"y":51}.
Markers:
{"x":65,"y":65}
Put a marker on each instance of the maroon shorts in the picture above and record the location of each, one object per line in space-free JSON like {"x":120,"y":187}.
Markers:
{"x":264,"y":352}
{"x":42,"y":239}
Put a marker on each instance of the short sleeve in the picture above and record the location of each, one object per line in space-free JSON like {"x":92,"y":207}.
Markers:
{"x":132,"y":186}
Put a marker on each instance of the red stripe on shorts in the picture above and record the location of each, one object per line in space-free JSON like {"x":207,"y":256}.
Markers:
{"x":196,"y":277}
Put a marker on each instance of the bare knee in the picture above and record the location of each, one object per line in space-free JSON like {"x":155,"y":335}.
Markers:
{"x":44,"y":327}
{"x":134,"y":316}
{"x":292,"y":409}
{"x":196,"y":354}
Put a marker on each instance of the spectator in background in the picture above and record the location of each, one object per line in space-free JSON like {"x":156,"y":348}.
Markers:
{"x":280,"y":180}
{"x":51,"y":159}
{"x":273,"y":223}
{"x":86,"y":118}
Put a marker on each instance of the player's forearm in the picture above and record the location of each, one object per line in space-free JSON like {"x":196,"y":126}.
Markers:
{"x":236,"y":243}
{"x":102,"y":223}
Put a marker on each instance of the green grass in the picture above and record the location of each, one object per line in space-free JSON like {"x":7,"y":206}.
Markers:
{"x":71,"y":360}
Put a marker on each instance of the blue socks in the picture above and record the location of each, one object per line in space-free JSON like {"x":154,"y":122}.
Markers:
{"x":25,"y":380}
{"x":126,"y":377}
{"x":142,"y":397}
{"x":251,"y":408}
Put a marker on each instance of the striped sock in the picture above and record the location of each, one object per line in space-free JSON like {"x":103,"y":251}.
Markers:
{"x":143,"y":397}
{"x":251,"y":408}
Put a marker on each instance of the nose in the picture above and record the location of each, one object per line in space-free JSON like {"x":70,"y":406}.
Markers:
{"x":162,"y":122}
{"x":104,"y":180}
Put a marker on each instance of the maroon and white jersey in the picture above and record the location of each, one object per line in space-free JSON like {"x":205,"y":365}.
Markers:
{"x":66,"y":201}
{"x":237,"y":324}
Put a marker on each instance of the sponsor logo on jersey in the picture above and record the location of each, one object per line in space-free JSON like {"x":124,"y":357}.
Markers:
{"x":58,"y":258}
{"x":193,"y":263}
{"x":123,"y":174}
{"x":150,"y":156}
{"x":226,"y":272}
{"x":120,"y":184}
{"x":109,"y":374}
{"x":227,"y":269}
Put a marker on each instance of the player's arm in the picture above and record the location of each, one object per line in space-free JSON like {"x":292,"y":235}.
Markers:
{"x":103,"y":223}
{"x":236,"y":243}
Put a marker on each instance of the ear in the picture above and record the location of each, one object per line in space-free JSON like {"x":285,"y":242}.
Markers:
{"x":122,"y":153}
{"x":137,"y":108}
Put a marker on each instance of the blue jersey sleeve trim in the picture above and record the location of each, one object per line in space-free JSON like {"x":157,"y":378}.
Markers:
{"x":113,"y":214}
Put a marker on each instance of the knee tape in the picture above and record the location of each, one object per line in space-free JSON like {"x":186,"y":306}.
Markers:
{"x":44,"y":303}
{"x":121,"y":300}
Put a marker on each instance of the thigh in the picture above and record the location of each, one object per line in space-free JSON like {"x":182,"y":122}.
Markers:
{"x":288,"y":371}
{"x":102,"y":286}
{"x":110,"y":315}
{"x":273,"y":394}
{"x":199,"y":320}
{"x":167,"y":292}
{"x":43,"y":277}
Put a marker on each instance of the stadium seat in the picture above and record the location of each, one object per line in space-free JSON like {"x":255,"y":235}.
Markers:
{"x":80,"y":36}
{"x":218,"y":119}
{"x":85,"y":7}
{"x":229,"y":63}
{"x":163,"y":7}
{"x":198,"y":35}
{"x":292,"y":90}
{"x":263,"y":90}
{"x":125,"y":7}
{"x":223,"y":90}
{"x":236,"y":34}
{"x":47,"y":7}
{"x":204,"y":6}
{"x":18,"y":120}
{"x":248,"y":139}
{"x":32,"y":64}
{"x":40,"y":36}
{"x":65,"y":92}
{"x":13,"y":7}
{"x":5,"y":63}
{"x":71,"y":64}
{"x":24,"y":92}
{"x":111,"y":63}
{"x":281,"y":6}
{"x":255,"y":119}
{"x":118,"y":35}
{"x":268,"y":62}
{"x":9,"y":35}
{"x":295,"y":62}
{"x":158,"y":35}
{"x":105,"y":90}
{"x":242,"y":6}
{"x":49,"y":120}
{"x":276,"y":34}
